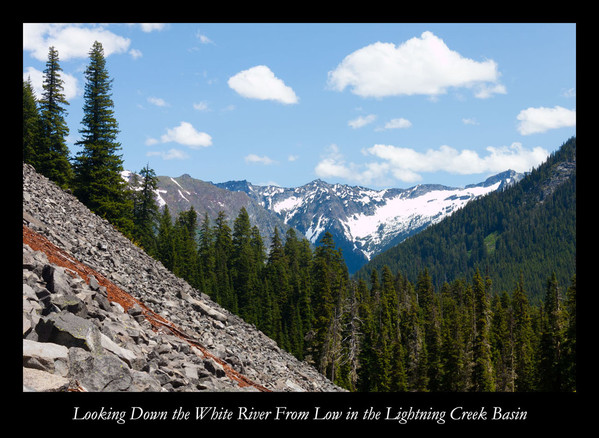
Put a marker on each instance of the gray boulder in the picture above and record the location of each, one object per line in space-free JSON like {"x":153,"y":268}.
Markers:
{"x":65,"y":328}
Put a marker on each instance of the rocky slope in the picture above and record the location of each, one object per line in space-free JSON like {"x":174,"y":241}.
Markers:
{"x":100,"y":315}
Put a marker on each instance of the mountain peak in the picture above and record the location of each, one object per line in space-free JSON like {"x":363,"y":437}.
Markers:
{"x":319,"y":183}
{"x":505,"y":179}
{"x":236,"y":186}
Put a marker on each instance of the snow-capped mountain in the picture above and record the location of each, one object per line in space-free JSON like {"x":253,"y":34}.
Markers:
{"x":365,"y":222}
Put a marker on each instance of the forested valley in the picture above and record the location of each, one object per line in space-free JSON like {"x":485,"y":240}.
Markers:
{"x":434,"y":327}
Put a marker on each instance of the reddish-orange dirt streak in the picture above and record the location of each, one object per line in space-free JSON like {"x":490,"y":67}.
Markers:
{"x":59,"y":257}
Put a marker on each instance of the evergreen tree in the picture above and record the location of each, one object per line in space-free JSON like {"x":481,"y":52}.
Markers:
{"x":52,"y":151}
{"x":298,"y":301}
{"x":367,"y":354}
{"x":223,"y":291}
{"x":399,"y":378}
{"x":414,"y":343}
{"x":145,"y":211}
{"x":431,"y":326}
{"x":523,"y":341}
{"x":330,"y":282}
{"x":386,"y":318}
{"x":502,"y":343}
{"x":98,"y":182}
{"x":255,"y":296}
{"x":278,"y":289}
{"x":244,"y":267}
{"x":186,"y":251}
{"x":482,"y":376}
{"x":31,"y":125}
{"x":165,"y":245}
{"x":453,"y":357}
{"x":258,"y":248}
{"x":241,"y":255}
{"x":551,"y":343}
{"x":206,"y":261}
{"x":353,"y":337}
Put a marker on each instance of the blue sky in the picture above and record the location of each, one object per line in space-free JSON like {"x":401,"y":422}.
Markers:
{"x":377,"y":105}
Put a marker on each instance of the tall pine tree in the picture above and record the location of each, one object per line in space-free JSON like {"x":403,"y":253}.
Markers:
{"x":98,"y":166}
{"x":52,"y":151}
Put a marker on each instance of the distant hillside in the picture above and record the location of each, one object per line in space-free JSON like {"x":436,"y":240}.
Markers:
{"x":527,"y":228}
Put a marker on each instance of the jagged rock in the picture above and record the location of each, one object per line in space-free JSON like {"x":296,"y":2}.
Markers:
{"x":56,"y":279}
{"x":70,"y":330}
{"x":126,"y":355}
{"x":99,"y":372}
{"x":71,"y":304}
{"x":96,"y":310}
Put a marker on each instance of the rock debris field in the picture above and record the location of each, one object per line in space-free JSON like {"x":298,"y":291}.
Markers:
{"x":99,"y":315}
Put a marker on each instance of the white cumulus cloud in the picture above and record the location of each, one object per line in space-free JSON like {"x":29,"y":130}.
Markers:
{"x":70,"y":40}
{"x":537,"y":120}
{"x":463,"y":162}
{"x":187,"y":135}
{"x":399,"y":123}
{"x":423,"y":65}
{"x":406,"y":164}
{"x":253,"y":158}
{"x":259,"y":82}
{"x":361,"y":121}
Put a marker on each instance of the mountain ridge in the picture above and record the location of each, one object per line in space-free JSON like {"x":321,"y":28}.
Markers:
{"x":363,"y":221}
